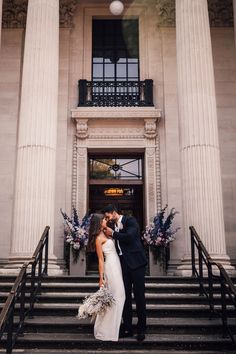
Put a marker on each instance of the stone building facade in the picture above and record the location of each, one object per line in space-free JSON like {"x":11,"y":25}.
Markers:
{"x":185,"y":139}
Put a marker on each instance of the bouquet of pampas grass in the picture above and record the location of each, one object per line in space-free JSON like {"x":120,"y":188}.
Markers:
{"x":96,"y":303}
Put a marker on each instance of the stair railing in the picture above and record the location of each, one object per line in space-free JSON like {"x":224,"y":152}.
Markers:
{"x":208,"y":284}
{"x":39,"y":268}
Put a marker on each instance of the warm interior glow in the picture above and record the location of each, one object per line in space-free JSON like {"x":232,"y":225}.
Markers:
{"x":114,"y":192}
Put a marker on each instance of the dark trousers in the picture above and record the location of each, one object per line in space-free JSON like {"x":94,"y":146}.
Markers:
{"x":134,"y":279}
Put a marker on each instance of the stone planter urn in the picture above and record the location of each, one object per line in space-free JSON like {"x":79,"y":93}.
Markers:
{"x":157,"y":261}
{"x":78,"y":268}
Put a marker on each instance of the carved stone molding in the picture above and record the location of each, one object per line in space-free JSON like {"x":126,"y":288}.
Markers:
{"x":150,"y":128}
{"x":166,"y":13}
{"x":158,"y":173}
{"x":15,"y":12}
{"x":82,"y":128}
{"x":74,"y":174}
{"x":220,"y":13}
{"x":67,"y":10}
{"x":116,"y":113}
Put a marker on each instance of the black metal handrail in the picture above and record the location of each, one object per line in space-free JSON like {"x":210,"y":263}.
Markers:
{"x":215,"y":274}
{"x":18,"y":291}
{"x":115,"y":93}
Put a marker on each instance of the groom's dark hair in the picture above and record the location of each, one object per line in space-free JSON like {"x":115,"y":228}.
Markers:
{"x":109,"y":208}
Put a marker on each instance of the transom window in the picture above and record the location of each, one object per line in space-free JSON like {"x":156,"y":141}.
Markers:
{"x":115,"y":50}
{"x":115,"y":168}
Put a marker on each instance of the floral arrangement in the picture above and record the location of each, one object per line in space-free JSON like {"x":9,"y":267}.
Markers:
{"x":96,"y":303}
{"x":76,"y":232}
{"x":160,"y":232}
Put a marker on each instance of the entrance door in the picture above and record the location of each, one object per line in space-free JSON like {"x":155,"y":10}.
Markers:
{"x":127,"y":199}
{"x":115,"y":180}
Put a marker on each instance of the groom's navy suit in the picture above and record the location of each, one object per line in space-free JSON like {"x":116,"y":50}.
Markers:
{"x":133,"y":263}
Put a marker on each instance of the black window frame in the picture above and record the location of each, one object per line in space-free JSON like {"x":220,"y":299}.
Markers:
{"x":118,"y":44}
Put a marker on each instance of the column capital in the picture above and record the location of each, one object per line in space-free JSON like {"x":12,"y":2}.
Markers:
{"x":220,"y":16}
{"x":15,"y":12}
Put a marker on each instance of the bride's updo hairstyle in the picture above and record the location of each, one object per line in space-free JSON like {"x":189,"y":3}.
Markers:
{"x":94,"y":230}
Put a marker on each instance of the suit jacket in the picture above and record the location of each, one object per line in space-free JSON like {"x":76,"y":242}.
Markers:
{"x":130,"y":243}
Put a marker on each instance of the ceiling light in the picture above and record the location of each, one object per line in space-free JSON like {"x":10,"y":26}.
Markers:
{"x":116,"y":7}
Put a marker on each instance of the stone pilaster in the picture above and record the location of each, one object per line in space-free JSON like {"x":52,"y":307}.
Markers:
{"x":36,"y":155}
{"x":201,"y":175}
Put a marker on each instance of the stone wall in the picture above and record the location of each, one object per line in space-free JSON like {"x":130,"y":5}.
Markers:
{"x":160,"y":66}
{"x":10,"y":74}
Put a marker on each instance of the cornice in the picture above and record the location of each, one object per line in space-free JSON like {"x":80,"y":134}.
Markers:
{"x":115,"y":113}
{"x":220,"y":13}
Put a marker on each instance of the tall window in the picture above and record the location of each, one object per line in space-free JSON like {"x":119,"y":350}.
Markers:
{"x":115,"y":50}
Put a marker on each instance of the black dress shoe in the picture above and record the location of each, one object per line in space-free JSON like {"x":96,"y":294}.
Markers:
{"x":140,"y":337}
{"x":125,"y":334}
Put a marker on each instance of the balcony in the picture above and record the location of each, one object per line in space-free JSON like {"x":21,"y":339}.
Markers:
{"x":115,"y":93}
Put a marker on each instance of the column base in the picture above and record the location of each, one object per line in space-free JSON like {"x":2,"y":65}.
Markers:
{"x":185,"y":268}
{"x":173,"y":264}
{"x":13,"y":266}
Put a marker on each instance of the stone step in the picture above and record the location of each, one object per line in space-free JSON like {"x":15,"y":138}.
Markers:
{"x":93,"y":278}
{"x":52,"y":324}
{"x":152,"y":341}
{"x":153,"y":310}
{"x":124,"y":351}
{"x":148,"y":285}
{"x":151,"y":298}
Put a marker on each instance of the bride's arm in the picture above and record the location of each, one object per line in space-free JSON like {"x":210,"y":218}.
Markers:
{"x":100,"y":261}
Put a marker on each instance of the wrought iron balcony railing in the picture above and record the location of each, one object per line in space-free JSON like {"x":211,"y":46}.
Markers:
{"x":115,"y":93}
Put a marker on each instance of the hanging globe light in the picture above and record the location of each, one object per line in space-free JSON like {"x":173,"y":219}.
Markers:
{"x":116,"y":7}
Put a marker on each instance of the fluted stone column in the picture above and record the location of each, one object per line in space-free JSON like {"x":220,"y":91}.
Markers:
{"x":36,"y":155}
{"x":199,"y":145}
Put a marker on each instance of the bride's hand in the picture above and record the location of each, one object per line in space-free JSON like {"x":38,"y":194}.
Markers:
{"x":101,"y":283}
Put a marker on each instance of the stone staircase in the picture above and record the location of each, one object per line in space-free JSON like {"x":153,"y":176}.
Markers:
{"x":178,"y":320}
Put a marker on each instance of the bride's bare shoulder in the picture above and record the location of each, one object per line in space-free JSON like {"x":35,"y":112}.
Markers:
{"x":101,"y":238}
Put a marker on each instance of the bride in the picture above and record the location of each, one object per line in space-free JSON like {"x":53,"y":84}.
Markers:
{"x":107,"y":326}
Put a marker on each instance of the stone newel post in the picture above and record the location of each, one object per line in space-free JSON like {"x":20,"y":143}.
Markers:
{"x":36,"y":155}
{"x":201,"y":175}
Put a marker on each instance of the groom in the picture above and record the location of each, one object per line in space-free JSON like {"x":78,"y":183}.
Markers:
{"x":133,"y":264}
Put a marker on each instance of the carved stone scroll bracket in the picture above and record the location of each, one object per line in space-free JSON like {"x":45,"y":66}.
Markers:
{"x":82,"y":128}
{"x":150,"y":130}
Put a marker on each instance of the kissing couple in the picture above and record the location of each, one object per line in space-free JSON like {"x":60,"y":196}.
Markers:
{"x":122,"y":265}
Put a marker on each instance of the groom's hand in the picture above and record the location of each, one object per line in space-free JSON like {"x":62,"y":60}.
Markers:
{"x":109,"y":231}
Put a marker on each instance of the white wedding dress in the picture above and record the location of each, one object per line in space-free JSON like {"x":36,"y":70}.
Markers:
{"x":107,"y":326}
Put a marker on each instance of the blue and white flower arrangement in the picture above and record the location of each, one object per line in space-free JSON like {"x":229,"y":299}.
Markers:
{"x":160,"y":232}
{"x":76,"y":232}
